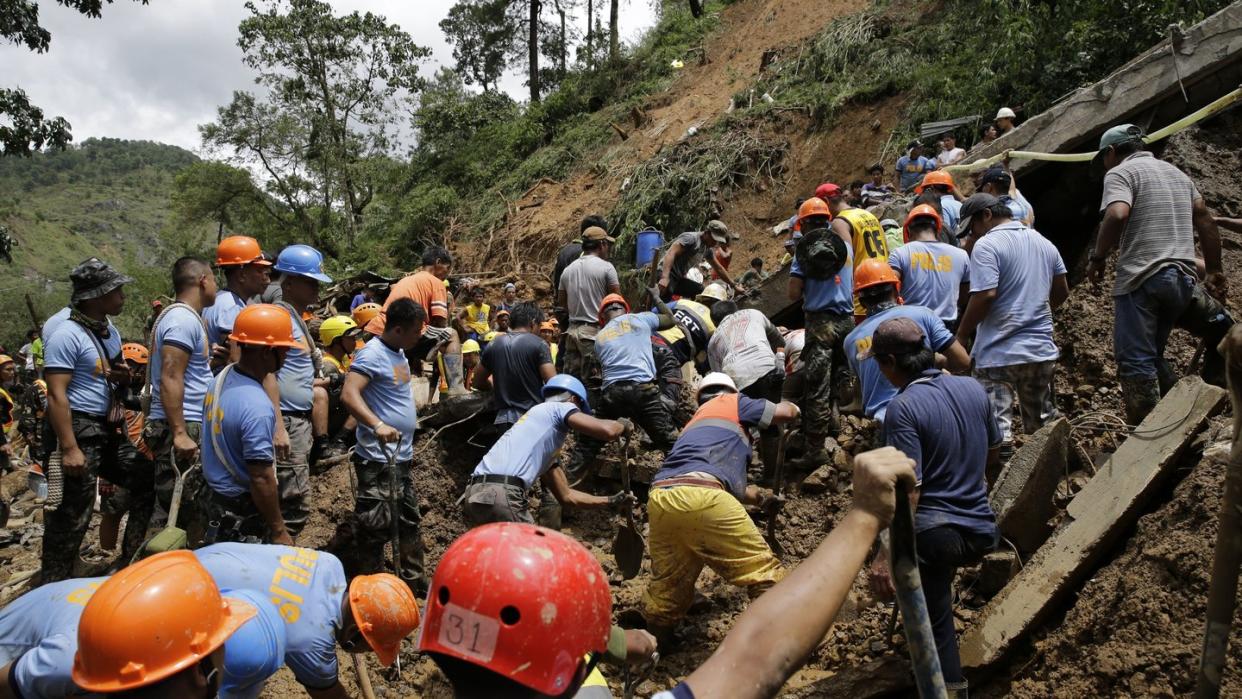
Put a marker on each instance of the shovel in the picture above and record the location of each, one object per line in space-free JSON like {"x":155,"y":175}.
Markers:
{"x":628,"y":546}
{"x":912,"y":603}
{"x":171,"y":537}
{"x":778,"y":486}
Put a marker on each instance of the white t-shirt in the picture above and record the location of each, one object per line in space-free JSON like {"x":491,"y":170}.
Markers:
{"x":742,"y":347}
{"x":949,"y":157}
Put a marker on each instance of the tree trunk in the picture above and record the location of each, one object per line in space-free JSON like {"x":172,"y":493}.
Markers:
{"x":590,"y":35}
{"x":564,"y":42}
{"x":533,"y":40}
{"x":614,"y":41}
{"x":696,"y":8}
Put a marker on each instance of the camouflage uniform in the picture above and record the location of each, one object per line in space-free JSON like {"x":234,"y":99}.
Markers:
{"x":65,"y":527}
{"x":371,"y":521}
{"x":134,"y":488}
{"x":642,"y":403}
{"x":827,"y":372}
{"x":192,"y":516}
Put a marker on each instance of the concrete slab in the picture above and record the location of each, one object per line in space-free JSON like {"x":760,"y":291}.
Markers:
{"x":1023,"y":495}
{"x":1098,"y":515}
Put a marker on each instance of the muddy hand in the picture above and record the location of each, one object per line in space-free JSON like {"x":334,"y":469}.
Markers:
{"x":622,"y":502}
{"x":280,"y":441}
{"x":880,"y":579}
{"x":185,"y":448}
{"x":73,"y":461}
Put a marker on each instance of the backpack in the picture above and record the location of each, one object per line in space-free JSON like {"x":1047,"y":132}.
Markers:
{"x":821,"y":253}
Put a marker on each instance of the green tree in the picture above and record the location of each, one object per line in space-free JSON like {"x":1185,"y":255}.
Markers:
{"x":222,"y":194}
{"x":336,"y":87}
{"x":482,"y":36}
{"x":27,"y":129}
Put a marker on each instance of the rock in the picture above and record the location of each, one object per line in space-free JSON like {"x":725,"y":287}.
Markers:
{"x":997,"y":569}
{"x":818,"y":481}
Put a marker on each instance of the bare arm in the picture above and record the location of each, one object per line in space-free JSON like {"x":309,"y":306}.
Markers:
{"x":173,"y":363}
{"x":482,"y":374}
{"x":1114,"y":223}
{"x":773,"y":637}
{"x":842,"y":228}
{"x":351,"y":398}
{"x":603,"y":430}
{"x":556,"y":481}
{"x":281,"y":440}
{"x":1229,"y":224}
{"x":785,"y":412}
{"x":957,"y":359}
{"x":976,"y":310}
{"x":674,"y":251}
{"x":795,"y":288}
{"x":58,"y":413}
{"x":1209,"y":243}
{"x":720,"y":270}
{"x":263,"y":491}
{"x":1059,"y":292}
{"x":547,"y":371}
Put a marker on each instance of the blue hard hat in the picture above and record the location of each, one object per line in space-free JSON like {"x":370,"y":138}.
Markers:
{"x":566,"y":382}
{"x":256,"y":650}
{"x":303,"y":261}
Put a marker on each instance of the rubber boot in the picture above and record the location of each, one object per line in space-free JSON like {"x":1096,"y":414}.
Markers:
{"x":1140,"y":395}
{"x":769,"y":445}
{"x":453,"y":372}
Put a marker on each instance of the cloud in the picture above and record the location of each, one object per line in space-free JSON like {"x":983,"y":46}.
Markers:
{"x":156,"y":72}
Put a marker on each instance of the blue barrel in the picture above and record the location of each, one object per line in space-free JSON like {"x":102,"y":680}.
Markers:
{"x":647,"y":242}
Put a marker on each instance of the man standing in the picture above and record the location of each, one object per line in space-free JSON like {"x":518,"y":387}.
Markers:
{"x":1017,"y":278}
{"x":1004,"y":120}
{"x":426,"y":288}
{"x":999,"y":182}
{"x":514,"y":367}
{"x":933,"y":273}
{"x":377,"y":393}
{"x":585,"y":282}
{"x":877,"y":286}
{"x":509,"y":300}
{"x":949,"y":152}
{"x":623,"y":347}
{"x":941,"y":183}
{"x":238,"y":454}
{"x":178,"y":374}
{"x":857,"y":226}
{"x":945,"y":424}
{"x":245,"y":276}
{"x":301,"y":270}
{"x":696,"y":505}
{"x":686,"y":251}
{"x":827,"y":303}
{"x":744,"y":348}
{"x":912,"y":166}
{"x":573,"y":249}
{"x":1154,"y":211}
{"x":83,"y":362}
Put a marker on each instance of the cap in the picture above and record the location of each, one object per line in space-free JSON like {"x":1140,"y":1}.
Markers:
{"x":974,"y":204}
{"x":996,"y":174}
{"x":889,"y":223}
{"x":895,"y":336}
{"x":594,"y":233}
{"x":718,"y":230}
{"x":1122,"y":133}
{"x":513,"y":287}
{"x":94,"y":278}
{"x":1005,"y":113}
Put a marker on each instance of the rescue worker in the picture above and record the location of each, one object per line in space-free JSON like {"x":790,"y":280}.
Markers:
{"x":470,"y":351}
{"x":877,"y":285}
{"x":712,"y":293}
{"x":426,"y":288}
{"x":30,"y":423}
{"x":514,"y":366}
{"x":686,"y":251}
{"x":945,"y":425}
{"x":339,"y":337}
{"x":133,"y":492}
{"x":933,"y":273}
{"x":377,"y":393}
{"x":548,"y":333}
{"x":364,"y":314}
{"x":794,"y":387}
{"x":863,"y":231}
{"x":745,"y":347}
{"x":583,"y":284}
{"x":83,"y":362}
{"x":1017,"y":279}
{"x":503,"y":325}
{"x":301,"y":273}
{"x":1153,"y":211}
{"x":1004,"y":120}
{"x":573,"y":249}
{"x":941,"y":183}
{"x":695,"y":316}
{"x":696,"y":510}
{"x":322,"y":610}
{"x":39,"y":637}
{"x":496,"y":490}
{"x":239,"y":460}
{"x":492,"y":577}
{"x":827,"y":303}
{"x":156,"y":629}
{"x":179,"y":372}
{"x":245,"y":271}
{"x":623,"y":347}
{"x":8,"y":410}
{"x":999,"y":182}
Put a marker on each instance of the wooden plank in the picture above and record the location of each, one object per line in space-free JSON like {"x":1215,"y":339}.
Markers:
{"x":1100,"y":513}
{"x":1208,"y":48}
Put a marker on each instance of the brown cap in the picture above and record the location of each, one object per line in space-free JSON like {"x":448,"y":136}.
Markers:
{"x":597,"y":233}
{"x":895,"y":336}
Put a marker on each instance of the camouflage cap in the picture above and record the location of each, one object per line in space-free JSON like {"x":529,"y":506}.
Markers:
{"x":719,"y":231}
{"x":94,"y":278}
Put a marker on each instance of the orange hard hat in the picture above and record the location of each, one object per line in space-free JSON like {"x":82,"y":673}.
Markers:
{"x":134,"y":352}
{"x":608,"y":301}
{"x":936,"y":177}
{"x":151,"y":621}
{"x":365,"y":312}
{"x":813,"y":207}
{"x":921,"y":211}
{"x":386,"y":612}
{"x":239,"y":250}
{"x":873,"y":272}
{"x":264,"y":324}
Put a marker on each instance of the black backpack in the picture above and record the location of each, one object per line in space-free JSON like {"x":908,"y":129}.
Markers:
{"x":821,"y":253}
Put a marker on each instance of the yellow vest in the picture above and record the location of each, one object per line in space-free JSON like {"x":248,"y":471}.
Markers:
{"x":869,"y":241}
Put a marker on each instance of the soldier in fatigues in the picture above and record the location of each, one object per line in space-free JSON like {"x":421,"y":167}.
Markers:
{"x":377,"y":393}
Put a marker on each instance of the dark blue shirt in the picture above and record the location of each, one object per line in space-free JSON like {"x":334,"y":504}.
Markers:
{"x":946,"y":425}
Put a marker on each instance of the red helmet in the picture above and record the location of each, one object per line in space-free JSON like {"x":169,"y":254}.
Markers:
{"x":608,"y":301}
{"x":524,"y":602}
{"x":828,"y":191}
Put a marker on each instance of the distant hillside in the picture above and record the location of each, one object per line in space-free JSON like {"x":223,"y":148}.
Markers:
{"x":105,"y":197}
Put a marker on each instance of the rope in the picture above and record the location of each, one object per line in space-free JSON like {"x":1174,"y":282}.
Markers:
{"x":1180,"y":125}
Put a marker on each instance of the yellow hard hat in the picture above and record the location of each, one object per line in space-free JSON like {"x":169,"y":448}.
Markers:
{"x":335,"y":327}
{"x":471,"y":346}
{"x":714,"y":291}
{"x":491,"y":336}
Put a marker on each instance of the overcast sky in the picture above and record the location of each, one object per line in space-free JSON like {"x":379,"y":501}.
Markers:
{"x":155,"y":72}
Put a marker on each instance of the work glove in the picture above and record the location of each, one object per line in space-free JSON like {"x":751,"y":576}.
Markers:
{"x":439,"y":335}
{"x":622,"y":502}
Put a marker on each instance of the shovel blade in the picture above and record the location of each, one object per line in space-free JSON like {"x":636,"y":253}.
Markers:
{"x":627,"y":549}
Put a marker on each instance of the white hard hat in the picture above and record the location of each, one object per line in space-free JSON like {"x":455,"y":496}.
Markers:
{"x":693,"y":274}
{"x":1005,"y":113}
{"x":714,"y":291}
{"x":715,"y":379}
